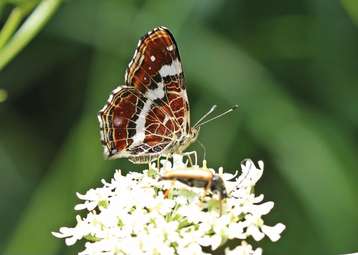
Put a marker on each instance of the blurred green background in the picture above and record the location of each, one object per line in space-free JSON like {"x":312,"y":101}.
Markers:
{"x":292,"y":66}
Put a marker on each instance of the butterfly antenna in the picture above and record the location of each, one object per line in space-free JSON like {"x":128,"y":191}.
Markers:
{"x":233,"y":108}
{"x":205,"y":115}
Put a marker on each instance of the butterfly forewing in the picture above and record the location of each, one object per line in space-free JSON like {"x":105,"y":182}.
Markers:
{"x":148,"y":115}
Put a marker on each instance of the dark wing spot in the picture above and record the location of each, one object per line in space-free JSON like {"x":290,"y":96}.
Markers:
{"x":167,"y":79}
{"x":157,"y":78}
{"x":153,"y":85}
{"x":159,"y":101}
{"x":140,"y":104}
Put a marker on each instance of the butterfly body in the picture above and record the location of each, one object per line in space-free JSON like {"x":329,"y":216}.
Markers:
{"x":149,"y":116}
{"x":177,"y":147}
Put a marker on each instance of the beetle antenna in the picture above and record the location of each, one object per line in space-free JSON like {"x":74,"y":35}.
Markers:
{"x":203,"y":147}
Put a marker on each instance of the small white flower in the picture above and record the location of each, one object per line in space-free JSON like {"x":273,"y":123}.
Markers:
{"x":93,"y":198}
{"x":274,"y":233}
{"x":138,"y":214}
{"x":236,"y":230}
{"x":73,"y":234}
{"x":243,"y":249}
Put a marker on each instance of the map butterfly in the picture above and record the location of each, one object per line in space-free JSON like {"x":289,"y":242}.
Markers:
{"x":149,"y":116}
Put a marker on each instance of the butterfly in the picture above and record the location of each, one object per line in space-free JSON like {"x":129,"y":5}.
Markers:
{"x":149,"y":116}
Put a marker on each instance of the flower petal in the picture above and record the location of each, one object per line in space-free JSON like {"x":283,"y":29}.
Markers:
{"x":274,"y":233}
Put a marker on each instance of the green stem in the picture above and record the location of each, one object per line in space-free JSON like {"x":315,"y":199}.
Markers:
{"x":10,"y":26}
{"x":28,"y":30}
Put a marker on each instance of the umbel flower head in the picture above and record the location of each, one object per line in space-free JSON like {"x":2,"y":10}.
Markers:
{"x":141,"y":214}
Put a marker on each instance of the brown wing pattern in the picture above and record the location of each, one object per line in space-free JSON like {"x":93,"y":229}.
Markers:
{"x":151,"y":112}
{"x":155,"y":49}
{"x":118,"y":125}
{"x":117,"y":120}
{"x":156,"y":62}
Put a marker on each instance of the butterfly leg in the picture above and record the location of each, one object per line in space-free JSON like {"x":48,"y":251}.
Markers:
{"x":158,"y":163}
{"x":167,"y":158}
{"x":190,"y":161}
{"x":188,"y":154}
{"x":196,"y":157}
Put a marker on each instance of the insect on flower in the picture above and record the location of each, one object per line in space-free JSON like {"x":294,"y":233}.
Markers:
{"x":199,"y":178}
{"x":149,"y":116}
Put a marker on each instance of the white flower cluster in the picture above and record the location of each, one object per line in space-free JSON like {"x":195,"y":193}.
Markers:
{"x":138,"y":214}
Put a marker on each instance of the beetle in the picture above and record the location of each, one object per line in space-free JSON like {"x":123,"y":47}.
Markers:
{"x":199,"y":178}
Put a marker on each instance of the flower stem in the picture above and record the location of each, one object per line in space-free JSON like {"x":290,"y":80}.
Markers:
{"x":26,"y":32}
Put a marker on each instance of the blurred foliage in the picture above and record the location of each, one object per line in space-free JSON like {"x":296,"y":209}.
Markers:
{"x":12,"y":38}
{"x":290,"y":65}
{"x":351,"y":7}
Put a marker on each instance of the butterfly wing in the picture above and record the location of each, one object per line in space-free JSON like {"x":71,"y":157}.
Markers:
{"x":144,"y":118}
{"x":156,"y":72}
